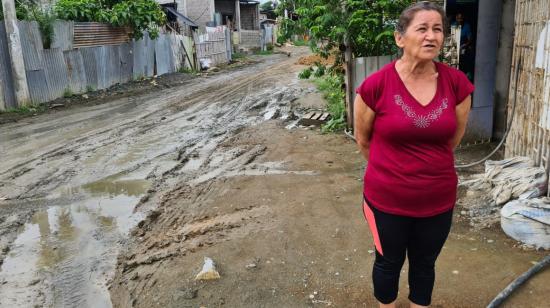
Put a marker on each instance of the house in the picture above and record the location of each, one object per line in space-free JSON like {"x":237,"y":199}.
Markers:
{"x":509,"y":64}
{"x":241,"y":16}
{"x":510,"y":68}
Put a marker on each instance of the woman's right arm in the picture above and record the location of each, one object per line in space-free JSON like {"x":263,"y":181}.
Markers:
{"x":363,"y":118}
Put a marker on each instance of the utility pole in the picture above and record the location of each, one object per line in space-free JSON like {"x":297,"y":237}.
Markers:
{"x":16,"y":54}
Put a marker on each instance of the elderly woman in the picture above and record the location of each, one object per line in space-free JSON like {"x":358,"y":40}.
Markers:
{"x":409,"y":117}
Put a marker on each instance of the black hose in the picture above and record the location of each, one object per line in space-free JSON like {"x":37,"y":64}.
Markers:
{"x":508,"y":127}
{"x":502,"y":296}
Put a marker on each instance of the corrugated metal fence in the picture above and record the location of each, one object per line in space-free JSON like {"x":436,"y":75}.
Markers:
{"x":87,"y":34}
{"x":530,"y":131}
{"x":363,"y":67}
{"x":65,"y":69}
{"x":7,"y":95}
{"x":359,"y":69}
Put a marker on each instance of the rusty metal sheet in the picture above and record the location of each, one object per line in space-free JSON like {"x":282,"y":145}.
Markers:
{"x":87,"y":34}
{"x":56,"y":73}
{"x":76,"y":71}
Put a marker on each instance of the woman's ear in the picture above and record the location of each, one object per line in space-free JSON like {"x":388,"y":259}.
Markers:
{"x":398,"y":39}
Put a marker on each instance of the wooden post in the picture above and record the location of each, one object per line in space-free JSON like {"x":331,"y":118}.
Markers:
{"x":348,"y":78}
{"x":16,"y":54}
{"x":2,"y":100}
{"x":257,"y":18}
{"x":349,"y":85}
{"x":238,"y":15}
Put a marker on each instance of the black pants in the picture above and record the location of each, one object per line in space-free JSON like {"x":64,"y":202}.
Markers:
{"x":420,"y":239}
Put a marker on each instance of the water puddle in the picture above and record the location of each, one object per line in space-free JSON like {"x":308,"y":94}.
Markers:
{"x":66,"y":254}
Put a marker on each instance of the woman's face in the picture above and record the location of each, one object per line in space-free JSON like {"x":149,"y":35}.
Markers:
{"x":423,"y":37}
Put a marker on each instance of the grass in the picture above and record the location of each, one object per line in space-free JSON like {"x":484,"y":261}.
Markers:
{"x":185,"y":70}
{"x":300,"y":43}
{"x":238,"y":55}
{"x":330,"y":86}
{"x":25,"y":109}
{"x":68,"y":93}
{"x":264,"y":52}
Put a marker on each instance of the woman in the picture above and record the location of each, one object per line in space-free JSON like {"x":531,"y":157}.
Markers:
{"x":409,"y":117}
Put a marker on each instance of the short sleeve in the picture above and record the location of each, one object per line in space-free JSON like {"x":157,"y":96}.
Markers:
{"x":462,"y":86}
{"x":370,"y":90}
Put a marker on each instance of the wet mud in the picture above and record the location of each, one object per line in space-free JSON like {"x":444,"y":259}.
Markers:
{"x":117,"y":204}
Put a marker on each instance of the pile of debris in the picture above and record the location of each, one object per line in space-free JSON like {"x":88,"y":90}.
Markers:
{"x":509,"y":191}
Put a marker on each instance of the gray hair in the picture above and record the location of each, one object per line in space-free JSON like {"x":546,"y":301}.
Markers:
{"x":408,"y":14}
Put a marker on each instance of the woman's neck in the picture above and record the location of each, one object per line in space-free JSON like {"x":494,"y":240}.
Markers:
{"x":411,"y":67}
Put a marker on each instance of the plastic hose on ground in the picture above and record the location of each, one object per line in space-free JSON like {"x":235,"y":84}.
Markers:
{"x":502,"y":296}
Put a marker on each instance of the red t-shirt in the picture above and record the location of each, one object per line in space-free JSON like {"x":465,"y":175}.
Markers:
{"x":411,"y":163}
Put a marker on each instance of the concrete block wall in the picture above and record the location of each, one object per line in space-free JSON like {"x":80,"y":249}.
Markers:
{"x":200,"y":11}
{"x":250,"y":39}
{"x":248,"y":17}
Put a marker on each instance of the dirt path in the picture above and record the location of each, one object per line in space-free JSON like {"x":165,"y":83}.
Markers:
{"x":215,"y":172}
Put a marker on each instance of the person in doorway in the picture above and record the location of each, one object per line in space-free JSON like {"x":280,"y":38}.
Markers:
{"x":465,"y":30}
{"x":409,"y":117}
{"x":466,"y":46}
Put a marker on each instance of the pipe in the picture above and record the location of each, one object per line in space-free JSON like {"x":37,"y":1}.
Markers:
{"x":503,"y":295}
{"x":509,"y":126}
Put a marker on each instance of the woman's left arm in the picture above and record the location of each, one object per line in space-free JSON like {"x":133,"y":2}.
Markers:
{"x":462,"y":111}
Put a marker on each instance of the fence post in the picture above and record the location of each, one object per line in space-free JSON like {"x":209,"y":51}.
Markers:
{"x":2,"y":100}
{"x":16,"y":54}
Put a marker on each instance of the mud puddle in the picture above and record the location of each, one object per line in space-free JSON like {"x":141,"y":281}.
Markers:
{"x":65,"y":254}
{"x":94,"y":168}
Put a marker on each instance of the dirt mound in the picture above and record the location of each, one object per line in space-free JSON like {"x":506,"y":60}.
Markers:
{"x":312,"y":59}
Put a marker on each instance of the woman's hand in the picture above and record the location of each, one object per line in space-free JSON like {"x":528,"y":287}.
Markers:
{"x":363,"y":119}
{"x":462,"y":112}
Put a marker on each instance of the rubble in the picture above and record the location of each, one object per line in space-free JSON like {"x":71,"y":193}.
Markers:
{"x":504,"y":180}
{"x":208,"y":271}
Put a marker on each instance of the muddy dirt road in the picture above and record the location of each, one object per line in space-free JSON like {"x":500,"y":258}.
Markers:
{"x":117,"y":204}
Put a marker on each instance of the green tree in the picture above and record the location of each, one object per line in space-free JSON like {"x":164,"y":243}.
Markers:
{"x":367,"y":24}
{"x":139,"y":15}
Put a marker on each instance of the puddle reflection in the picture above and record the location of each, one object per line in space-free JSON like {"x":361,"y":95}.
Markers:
{"x":64,"y":243}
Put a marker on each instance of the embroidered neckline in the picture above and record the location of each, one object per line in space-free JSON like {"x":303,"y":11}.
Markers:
{"x":421,"y":121}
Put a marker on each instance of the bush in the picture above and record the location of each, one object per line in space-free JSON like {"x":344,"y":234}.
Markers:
{"x":139,"y":15}
{"x":300,"y":43}
{"x":306,"y":73}
{"x":28,"y":10}
{"x":319,"y":71}
{"x":331,"y":87}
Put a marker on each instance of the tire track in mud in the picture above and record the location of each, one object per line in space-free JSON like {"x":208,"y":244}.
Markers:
{"x":230,"y":87}
{"x":184,"y":135}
